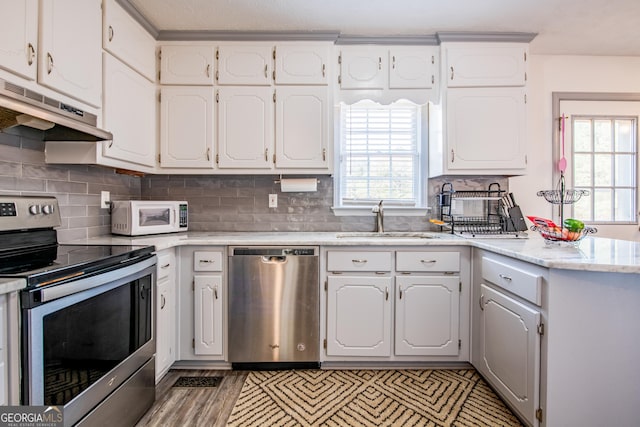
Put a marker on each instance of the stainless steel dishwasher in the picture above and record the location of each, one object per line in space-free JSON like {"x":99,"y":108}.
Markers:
{"x":274,"y":312}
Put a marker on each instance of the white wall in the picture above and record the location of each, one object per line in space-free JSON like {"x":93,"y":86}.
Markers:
{"x":556,"y":73}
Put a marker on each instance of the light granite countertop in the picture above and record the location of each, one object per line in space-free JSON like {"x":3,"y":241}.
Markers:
{"x":8,"y":285}
{"x":591,"y":254}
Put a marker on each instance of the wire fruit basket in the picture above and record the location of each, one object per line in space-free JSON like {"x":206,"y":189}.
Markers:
{"x":557,"y":234}
{"x":559,"y":197}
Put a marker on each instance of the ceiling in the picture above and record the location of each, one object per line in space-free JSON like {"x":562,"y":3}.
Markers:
{"x":582,"y":27}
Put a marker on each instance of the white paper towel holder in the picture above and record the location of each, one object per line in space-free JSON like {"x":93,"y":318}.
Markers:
{"x":297,"y":185}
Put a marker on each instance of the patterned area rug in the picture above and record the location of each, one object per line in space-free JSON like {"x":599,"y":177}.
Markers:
{"x":369,"y":398}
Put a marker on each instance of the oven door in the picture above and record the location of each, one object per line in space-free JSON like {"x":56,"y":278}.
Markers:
{"x":87,"y":337}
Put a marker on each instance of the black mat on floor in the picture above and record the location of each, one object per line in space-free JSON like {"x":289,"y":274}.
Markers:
{"x":197,"y":382}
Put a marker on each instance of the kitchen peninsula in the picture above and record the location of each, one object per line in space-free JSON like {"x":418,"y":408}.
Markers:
{"x":576,"y":365}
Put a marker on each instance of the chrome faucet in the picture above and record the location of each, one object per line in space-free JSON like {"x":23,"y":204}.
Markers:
{"x":379,"y":211}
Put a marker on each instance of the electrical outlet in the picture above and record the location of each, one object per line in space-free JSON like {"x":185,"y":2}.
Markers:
{"x":105,"y":199}
{"x":273,"y":200}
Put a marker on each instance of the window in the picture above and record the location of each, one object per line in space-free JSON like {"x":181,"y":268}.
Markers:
{"x":604,"y":162}
{"x":381,"y":149}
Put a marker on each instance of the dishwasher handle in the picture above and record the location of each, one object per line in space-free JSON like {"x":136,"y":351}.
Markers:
{"x":273,"y":259}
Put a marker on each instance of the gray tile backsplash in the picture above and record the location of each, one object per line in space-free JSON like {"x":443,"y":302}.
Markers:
{"x":23,"y":171}
{"x":216,"y":202}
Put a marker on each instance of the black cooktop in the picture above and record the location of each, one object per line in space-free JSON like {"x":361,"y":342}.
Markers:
{"x":56,"y":263}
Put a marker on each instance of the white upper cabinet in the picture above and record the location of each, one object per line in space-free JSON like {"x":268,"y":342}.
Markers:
{"x":125,"y":39}
{"x":245,"y":127}
{"x":301,"y":64}
{"x":363,"y":67}
{"x":186,"y":126}
{"x":486,"y":129}
{"x":19,"y":41}
{"x":384,"y":67}
{"x":70,"y":54}
{"x":498,"y":64}
{"x":302,"y":127}
{"x":412,"y":67}
{"x":129,"y":112}
{"x":244,"y":64}
{"x":187,"y":65}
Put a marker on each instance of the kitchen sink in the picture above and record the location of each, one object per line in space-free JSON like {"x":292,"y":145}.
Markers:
{"x":388,"y":234}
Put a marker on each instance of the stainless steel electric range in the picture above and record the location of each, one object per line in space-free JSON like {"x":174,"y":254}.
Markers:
{"x":86,"y":317}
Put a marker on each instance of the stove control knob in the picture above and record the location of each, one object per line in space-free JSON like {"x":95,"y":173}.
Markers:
{"x":47,"y":209}
{"x":34,"y":209}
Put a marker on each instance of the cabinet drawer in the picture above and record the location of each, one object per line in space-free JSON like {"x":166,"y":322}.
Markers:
{"x":358,"y":261}
{"x":523,"y":283}
{"x":207,"y":261}
{"x":427,"y":261}
{"x":165,"y":265}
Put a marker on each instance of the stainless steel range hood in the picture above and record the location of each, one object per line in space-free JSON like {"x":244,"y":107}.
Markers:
{"x":58,"y":121}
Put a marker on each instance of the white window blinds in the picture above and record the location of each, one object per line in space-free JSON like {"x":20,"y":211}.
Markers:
{"x":380,"y":154}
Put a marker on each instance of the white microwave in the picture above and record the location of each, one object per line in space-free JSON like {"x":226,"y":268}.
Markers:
{"x":140,"y":217}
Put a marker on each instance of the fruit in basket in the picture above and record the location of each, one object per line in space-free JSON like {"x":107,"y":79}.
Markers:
{"x":573,"y":225}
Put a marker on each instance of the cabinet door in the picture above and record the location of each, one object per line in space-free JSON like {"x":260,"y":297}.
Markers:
{"x":427,"y":315}
{"x":207,"y":315}
{"x":510,"y":349}
{"x":485,"y":65}
{"x":19,"y":41}
{"x":363,"y":67}
{"x":70,"y":55}
{"x":125,"y":39}
{"x":129,"y":113}
{"x":359,"y":316}
{"x":245,"y":127}
{"x":412,"y":67}
{"x":186,"y":65}
{"x":165,"y":326}
{"x":186,"y":126}
{"x":298,"y":63}
{"x":486,"y":129}
{"x":243,"y":64}
{"x":302,"y":127}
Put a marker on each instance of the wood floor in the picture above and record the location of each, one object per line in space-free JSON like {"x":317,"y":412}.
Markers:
{"x":194,"y":406}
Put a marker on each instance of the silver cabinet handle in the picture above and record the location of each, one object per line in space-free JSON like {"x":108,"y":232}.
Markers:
{"x":393,"y":62}
{"x":111,"y":143}
{"x":208,"y":154}
{"x":266,"y":71}
{"x":480,"y":302}
{"x":386,"y":294}
{"x":110,"y":33}
{"x":503,"y":277}
{"x":215,"y":292}
{"x":400,"y":292}
{"x":379,"y":63}
{"x":359,"y":261}
{"x":208,"y":70}
{"x":452,"y":73}
{"x":163,"y":301}
{"x":32,"y":54}
{"x":453,"y":156}
{"x":207,"y":261}
{"x":49,"y":63}
{"x":324,"y":154}
{"x":166,"y":265}
{"x":324,"y":69}
{"x":428,"y":261}
{"x":266,"y":154}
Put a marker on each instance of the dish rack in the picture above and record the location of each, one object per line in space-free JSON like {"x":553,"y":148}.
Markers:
{"x":474,"y":212}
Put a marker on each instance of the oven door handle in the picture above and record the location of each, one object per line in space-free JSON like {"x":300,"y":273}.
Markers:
{"x":84,"y":283}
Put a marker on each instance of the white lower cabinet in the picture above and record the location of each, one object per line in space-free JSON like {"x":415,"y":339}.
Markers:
{"x":202,"y":304}
{"x":207,"y":314}
{"x":427,"y":315}
{"x":165,"y":312}
{"x":408,"y":310}
{"x":507,"y":332}
{"x":359,"y":316}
